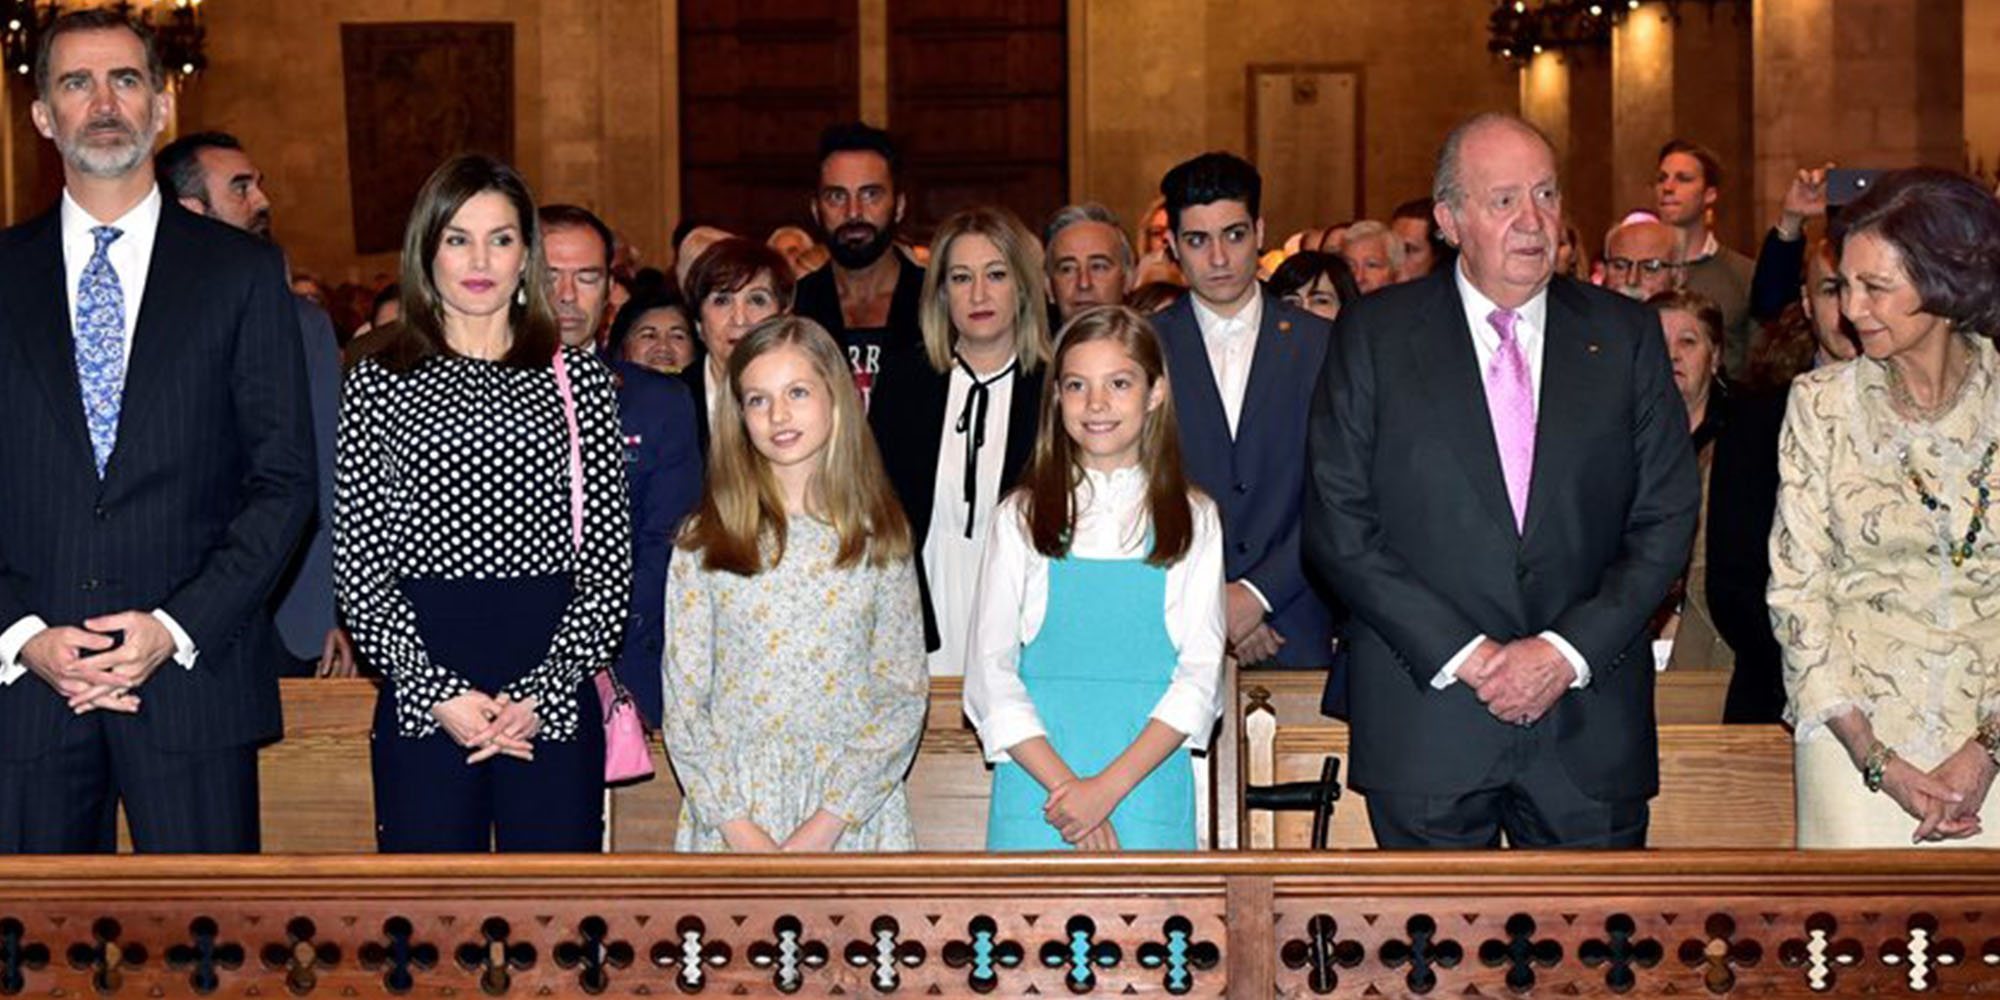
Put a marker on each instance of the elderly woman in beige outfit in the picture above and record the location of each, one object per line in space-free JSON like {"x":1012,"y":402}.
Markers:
{"x":1885,"y":573}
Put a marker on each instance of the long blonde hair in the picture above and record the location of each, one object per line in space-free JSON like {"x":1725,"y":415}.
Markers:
{"x":742,"y":508}
{"x":1023,"y":254}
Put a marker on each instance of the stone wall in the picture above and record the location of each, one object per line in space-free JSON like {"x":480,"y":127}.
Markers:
{"x":595,"y":107}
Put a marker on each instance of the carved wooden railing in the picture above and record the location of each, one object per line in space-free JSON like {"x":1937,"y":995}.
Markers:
{"x":1234,"y":925}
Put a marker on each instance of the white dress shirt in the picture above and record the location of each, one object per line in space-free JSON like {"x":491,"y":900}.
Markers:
{"x":1531,"y":323}
{"x":1232,"y":344}
{"x":957,"y":535}
{"x":1013,"y":599}
{"x":131,"y":257}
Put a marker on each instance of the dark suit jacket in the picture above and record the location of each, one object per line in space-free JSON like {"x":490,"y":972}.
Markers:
{"x":1410,"y":524}
{"x":209,"y":489}
{"x":1258,"y":478}
{"x":1742,"y":500}
{"x":305,"y":591}
{"x":697,"y":392}
{"x":663,"y":468}
{"x":909,"y":417}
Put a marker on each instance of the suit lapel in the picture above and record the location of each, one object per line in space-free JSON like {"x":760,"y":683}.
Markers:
{"x":1195,"y":393}
{"x":1568,"y":353}
{"x":164,"y":329}
{"x":42,"y":320}
{"x":1450,"y":369}
{"x":1271,"y":357}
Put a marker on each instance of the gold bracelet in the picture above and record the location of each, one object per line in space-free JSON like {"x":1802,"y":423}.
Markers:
{"x":1876,"y":764}
{"x":1988,"y":736}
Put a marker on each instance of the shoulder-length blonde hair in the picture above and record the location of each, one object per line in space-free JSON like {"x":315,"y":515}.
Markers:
{"x":1048,"y":484}
{"x":420,"y":334}
{"x":742,"y":508}
{"x":1023,"y":254}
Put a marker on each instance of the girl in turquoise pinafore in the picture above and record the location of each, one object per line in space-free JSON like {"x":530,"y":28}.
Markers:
{"x":1098,"y":637}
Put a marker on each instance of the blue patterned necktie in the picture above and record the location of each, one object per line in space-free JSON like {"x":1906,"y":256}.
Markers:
{"x":100,"y":346}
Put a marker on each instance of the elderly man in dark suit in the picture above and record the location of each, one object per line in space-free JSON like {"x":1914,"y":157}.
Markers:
{"x":1242,"y":363}
{"x":154,"y":480}
{"x":1502,"y":491}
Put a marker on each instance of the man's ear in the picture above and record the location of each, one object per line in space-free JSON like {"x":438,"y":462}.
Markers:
{"x":1447,"y":222}
{"x":901,"y":204}
{"x":193,"y":204}
{"x":44,"y":119}
{"x":1260,"y":234}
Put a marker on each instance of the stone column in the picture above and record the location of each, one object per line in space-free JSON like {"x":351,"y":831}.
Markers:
{"x":1863,"y":83}
{"x":1642,"y":103}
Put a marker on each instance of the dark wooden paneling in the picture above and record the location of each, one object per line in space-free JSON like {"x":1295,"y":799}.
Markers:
{"x":759,"y":80}
{"x":466,"y":72}
{"x":979,"y":99}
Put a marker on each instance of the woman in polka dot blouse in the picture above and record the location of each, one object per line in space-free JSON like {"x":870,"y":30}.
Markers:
{"x":461,"y":567}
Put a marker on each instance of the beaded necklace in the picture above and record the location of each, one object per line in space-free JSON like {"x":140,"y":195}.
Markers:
{"x":1963,"y":550}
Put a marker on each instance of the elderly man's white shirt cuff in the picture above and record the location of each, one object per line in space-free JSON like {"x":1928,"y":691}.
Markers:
{"x":1575,"y":659}
{"x":184,"y":651}
{"x":1448,"y":674}
{"x":11,"y":641}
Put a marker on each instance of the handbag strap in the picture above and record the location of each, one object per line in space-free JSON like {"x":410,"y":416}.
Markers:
{"x":575,"y":453}
{"x":576,"y":489}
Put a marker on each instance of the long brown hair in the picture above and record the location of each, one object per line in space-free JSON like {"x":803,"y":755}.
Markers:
{"x":420,"y":333}
{"x":1048,"y":485}
{"x":742,"y":508}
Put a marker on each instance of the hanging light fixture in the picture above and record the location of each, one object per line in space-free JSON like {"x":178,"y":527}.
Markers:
{"x":176,"y":26}
{"x":1523,"y":29}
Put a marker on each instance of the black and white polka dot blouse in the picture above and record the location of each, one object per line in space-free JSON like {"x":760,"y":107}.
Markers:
{"x":459,"y":469}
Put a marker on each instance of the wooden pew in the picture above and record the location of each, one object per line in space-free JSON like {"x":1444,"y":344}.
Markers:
{"x":1720,"y":786}
{"x":317,"y":790}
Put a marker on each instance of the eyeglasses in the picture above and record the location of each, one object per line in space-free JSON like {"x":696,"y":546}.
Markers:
{"x":1648,"y":267}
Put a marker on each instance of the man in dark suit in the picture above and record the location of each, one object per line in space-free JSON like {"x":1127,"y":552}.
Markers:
{"x":656,"y":416}
{"x":1242,"y":362}
{"x":1502,"y":490}
{"x":153,"y":483}
{"x":210,"y":174}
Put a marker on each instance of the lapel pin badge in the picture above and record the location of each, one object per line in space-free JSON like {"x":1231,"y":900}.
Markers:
{"x":1591,"y":347}
{"x":1284,"y":326}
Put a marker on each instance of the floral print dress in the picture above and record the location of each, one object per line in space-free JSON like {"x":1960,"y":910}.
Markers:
{"x":798,"y":689}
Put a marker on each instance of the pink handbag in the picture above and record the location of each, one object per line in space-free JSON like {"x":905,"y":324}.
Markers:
{"x":626,"y":755}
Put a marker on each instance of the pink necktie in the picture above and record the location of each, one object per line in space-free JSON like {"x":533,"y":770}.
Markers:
{"x":1510,"y":402}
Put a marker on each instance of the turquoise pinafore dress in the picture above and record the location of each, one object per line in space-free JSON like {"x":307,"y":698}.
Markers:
{"x":1100,"y":663}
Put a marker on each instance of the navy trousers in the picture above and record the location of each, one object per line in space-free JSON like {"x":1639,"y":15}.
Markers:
{"x":427,"y":798}
{"x":66,"y":801}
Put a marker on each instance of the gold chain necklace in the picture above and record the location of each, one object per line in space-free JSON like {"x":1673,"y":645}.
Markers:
{"x":1900,"y":395}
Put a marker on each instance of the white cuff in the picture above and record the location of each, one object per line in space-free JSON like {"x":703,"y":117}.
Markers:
{"x":11,"y":641}
{"x":184,"y":651}
{"x":1254,"y":592}
{"x":1448,"y":674}
{"x":1188,"y":712}
{"x":1575,"y":659}
{"x":1007,"y":729}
